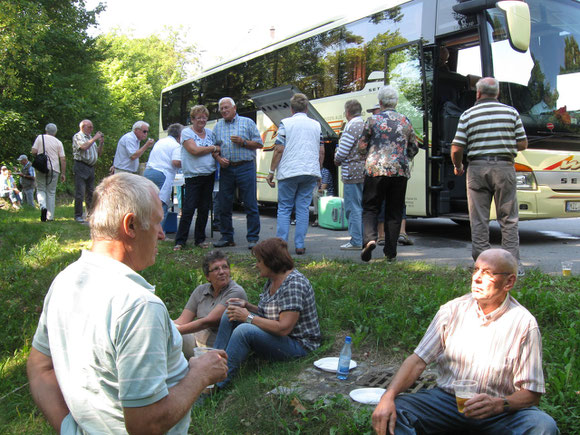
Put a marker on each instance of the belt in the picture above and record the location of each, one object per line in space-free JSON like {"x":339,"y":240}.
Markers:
{"x":491,"y":158}
{"x":243,"y":162}
{"x":80,"y":161}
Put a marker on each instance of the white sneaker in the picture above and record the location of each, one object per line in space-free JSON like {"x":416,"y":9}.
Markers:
{"x":350,"y":247}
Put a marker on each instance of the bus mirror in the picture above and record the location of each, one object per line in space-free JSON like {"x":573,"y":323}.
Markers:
{"x":517,"y":15}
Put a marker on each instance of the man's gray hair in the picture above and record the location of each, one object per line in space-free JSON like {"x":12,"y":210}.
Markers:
{"x":353,"y":108}
{"x":139,"y":125}
{"x":83,"y":122}
{"x":230,"y":99}
{"x":115,"y":197}
{"x":488,"y":86}
{"x":388,"y":97}
{"x":174,"y":130}
{"x":50,"y":129}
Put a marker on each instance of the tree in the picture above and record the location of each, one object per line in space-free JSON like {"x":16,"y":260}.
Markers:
{"x":48,"y":73}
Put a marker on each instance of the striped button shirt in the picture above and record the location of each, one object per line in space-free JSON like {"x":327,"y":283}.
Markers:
{"x":239,"y":126}
{"x":88,"y":156}
{"x":489,"y":128}
{"x":501,"y":350}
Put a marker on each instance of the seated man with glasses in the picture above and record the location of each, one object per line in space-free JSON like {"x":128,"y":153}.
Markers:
{"x":485,"y":336}
{"x":200,"y":319}
{"x":128,"y":150}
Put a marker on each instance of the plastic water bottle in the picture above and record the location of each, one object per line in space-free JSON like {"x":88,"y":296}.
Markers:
{"x":344,"y":360}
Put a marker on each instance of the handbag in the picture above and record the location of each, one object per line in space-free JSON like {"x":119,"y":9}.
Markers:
{"x":40,"y":162}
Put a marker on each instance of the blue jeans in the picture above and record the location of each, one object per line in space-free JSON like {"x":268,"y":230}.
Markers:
{"x":294,"y":192}
{"x":435,"y":411}
{"x":197,"y":196}
{"x":353,"y":194}
{"x":244,"y":178}
{"x":239,"y":338}
{"x":156,"y":176}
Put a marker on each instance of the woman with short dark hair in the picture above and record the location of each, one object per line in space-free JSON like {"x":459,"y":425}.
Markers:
{"x":283,"y":325}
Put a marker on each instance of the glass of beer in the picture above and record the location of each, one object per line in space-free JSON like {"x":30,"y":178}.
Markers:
{"x":465,"y":389}
{"x":199,"y":351}
{"x":566,"y":268}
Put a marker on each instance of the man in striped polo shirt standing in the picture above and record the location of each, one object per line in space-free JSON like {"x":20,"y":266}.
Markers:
{"x":492,"y":134}
{"x":485,"y":336}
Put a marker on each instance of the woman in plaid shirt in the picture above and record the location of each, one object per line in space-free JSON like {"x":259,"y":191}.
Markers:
{"x":283,"y":325}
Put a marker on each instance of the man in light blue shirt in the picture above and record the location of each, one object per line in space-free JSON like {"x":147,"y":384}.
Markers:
{"x":128,"y":148}
{"x":106,"y":357}
{"x":238,"y":139}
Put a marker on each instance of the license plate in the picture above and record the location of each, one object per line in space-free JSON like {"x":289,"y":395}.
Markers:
{"x":572,"y":206}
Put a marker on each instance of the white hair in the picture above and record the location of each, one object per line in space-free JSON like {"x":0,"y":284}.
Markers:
{"x":388,"y":97}
{"x":83,"y":122}
{"x":50,"y":129}
{"x":115,"y":197}
{"x":139,"y":125}
{"x":231,"y":100}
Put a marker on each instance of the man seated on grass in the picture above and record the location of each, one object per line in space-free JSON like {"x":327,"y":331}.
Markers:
{"x":486,"y":336}
{"x":106,"y":357}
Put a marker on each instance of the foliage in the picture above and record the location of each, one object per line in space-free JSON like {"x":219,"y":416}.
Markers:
{"x":53,"y":71}
{"x":384,"y":307}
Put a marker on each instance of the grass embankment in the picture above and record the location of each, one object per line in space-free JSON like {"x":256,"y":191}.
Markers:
{"x":386,"y":308}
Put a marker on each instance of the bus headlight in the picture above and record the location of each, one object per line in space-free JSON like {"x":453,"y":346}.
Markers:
{"x":526,"y":181}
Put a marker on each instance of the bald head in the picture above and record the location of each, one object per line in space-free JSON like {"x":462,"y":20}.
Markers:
{"x":500,"y":259}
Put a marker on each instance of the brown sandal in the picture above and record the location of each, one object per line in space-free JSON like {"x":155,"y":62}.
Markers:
{"x":178,"y":247}
{"x":202,"y":245}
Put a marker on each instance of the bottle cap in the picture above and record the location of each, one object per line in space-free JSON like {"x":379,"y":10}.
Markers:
{"x":348,"y":339}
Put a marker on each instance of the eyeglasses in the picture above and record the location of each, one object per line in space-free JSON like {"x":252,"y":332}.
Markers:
{"x":488,"y":274}
{"x":218,"y":268}
{"x":145,"y":131}
{"x":201,"y":119}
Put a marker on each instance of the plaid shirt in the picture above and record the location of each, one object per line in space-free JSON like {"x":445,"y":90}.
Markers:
{"x":295,"y":294}
{"x":239,"y":126}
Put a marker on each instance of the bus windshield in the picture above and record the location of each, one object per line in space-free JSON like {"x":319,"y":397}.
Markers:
{"x":543,"y":84}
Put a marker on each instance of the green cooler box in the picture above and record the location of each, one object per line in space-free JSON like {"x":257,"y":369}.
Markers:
{"x":331,"y":214}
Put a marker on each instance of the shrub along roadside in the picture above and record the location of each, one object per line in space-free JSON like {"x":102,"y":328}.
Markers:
{"x":384,"y":307}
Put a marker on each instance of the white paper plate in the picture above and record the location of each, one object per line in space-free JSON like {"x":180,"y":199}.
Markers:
{"x":330,"y":364}
{"x":370,"y":396}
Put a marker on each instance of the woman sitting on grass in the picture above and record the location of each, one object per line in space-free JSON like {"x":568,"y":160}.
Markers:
{"x":283,"y":325}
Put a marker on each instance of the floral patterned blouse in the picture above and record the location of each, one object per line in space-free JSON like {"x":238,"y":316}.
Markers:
{"x":389,"y":142}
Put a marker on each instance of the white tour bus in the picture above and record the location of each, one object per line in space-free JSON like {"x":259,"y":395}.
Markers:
{"x":432,"y":51}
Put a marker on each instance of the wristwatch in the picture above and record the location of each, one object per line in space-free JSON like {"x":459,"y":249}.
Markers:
{"x":244,"y":144}
{"x":251,"y":317}
{"x":506,"y":405}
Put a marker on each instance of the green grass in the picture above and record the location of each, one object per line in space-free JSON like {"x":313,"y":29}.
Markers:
{"x":385,"y":308}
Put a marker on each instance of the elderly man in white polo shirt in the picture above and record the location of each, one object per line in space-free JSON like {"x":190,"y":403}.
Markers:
{"x":106,"y":357}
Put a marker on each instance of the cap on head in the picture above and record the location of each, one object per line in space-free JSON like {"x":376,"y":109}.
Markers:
{"x":375,"y":107}
{"x":22,"y":157}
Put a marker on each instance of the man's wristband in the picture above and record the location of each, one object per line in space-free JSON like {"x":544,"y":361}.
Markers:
{"x":271,"y":171}
{"x":244,"y":143}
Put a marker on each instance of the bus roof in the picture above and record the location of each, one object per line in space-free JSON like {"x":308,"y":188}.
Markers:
{"x":323,"y":26}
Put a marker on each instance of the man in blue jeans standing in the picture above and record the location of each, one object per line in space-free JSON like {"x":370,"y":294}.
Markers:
{"x":484,"y":336}
{"x":238,"y":139}
{"x":298,"y":157}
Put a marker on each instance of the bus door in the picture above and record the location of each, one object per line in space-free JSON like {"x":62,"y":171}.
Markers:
{"x":275,"y":104}
{"x":405,"y":71}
